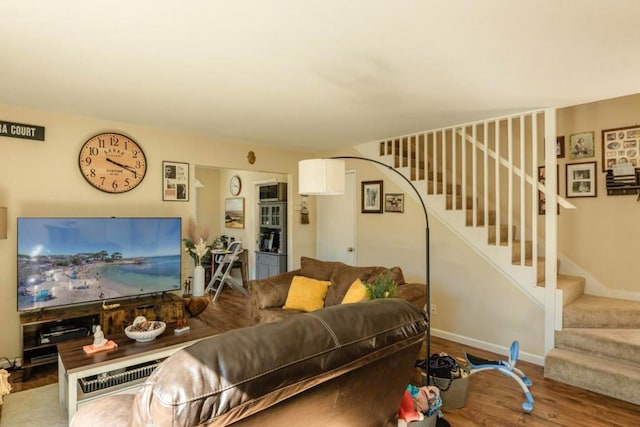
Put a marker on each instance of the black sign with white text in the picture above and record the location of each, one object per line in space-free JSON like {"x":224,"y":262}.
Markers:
{"x":21,"y":130}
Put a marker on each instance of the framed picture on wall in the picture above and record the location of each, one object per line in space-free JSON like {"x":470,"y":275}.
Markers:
{"x":581,"y":146}
{"x":234,"y":212}
{"x":542,"y":177}
{"x":394,"y":202}
{"x":620,"y":146}
{"x":560,"y":147}
{"x":371,"y":196}
{"x":581,"y":179}
{"x":175,"y":181}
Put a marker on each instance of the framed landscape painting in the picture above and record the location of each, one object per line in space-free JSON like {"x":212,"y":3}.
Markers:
{"x":234,"y":212}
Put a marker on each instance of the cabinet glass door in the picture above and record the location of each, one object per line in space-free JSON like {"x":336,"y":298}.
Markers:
{"x":265,"y":215}
{"x":275,"y":216}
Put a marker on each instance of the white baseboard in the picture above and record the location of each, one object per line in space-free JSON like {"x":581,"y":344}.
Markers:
{"x":483,"y":345}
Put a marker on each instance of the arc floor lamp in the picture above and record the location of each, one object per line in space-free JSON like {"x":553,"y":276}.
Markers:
{"x":327,"y":177}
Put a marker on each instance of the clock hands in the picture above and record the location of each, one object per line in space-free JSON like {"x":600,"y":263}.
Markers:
{"x":129,"y":168}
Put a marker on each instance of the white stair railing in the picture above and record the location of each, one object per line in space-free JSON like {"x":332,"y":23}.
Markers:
{"x":482,"y":176}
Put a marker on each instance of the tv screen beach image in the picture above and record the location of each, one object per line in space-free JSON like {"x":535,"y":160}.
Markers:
{"x":64,"y":261}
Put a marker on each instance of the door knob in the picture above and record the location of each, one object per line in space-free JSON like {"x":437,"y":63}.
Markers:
{"x":349,"y":249}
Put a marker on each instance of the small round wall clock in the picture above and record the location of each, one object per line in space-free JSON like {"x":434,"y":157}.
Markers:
{"x":235,"y":185}
{"x":112,"y":162}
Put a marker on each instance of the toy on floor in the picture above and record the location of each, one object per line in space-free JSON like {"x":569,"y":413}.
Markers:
{"x":407,"y":411}
{"x":507,"y":368}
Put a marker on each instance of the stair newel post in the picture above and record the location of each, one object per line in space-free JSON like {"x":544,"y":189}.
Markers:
{"x":551,"y":232}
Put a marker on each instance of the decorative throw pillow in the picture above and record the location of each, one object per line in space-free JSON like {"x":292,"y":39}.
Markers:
{"x":356,"y":293}
{"x":342,"y":277}
{"x":306,"y":294}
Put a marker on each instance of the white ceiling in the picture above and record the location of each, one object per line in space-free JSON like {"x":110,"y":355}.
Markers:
{"x":314,"y":74}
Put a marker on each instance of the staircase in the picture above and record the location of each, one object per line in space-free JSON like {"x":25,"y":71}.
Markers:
{"x":481,"y":180}
{"x":598,"y":348}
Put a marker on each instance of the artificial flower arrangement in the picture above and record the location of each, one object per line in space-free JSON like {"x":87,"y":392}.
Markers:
{"x":382,"y":287}
{"x":196,"y":245}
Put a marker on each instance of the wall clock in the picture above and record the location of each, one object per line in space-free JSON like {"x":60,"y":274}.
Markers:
{"x":112,"y":162}
{"x":235,"y":185}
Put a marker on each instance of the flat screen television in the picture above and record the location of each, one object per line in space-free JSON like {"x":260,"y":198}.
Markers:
{"x":65,"y":261}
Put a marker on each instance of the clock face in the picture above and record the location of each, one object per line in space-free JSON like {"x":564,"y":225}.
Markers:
{"x":235,"y":185}
{"x":112,"y":162}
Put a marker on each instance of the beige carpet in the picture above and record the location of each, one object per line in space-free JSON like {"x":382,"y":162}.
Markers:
{"x":598,"y":348}
{"x":37,"y":407}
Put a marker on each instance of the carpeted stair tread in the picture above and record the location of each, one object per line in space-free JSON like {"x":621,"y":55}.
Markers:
{"x":480,"y":218}
{"x":458,"y":201}
{"x":572,"y":287}
{"x":492,"y":233}
{"x":516,"y":251}
{"x":438,"y":186}
{"x":618,"y":344}
{"x":589,"y":311}
{"x":604,"y":376}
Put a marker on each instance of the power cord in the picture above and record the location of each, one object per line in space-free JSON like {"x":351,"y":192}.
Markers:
{"x":12,"y":366}
{"x":16,"y":368}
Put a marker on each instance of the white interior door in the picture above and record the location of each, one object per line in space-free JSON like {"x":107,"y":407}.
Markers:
{"x":337,"y":224}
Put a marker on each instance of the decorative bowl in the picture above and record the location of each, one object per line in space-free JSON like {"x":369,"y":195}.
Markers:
{"x":143,"y":330}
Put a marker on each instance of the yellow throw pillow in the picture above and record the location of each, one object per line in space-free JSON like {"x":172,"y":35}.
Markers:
{"x":356,"y":293}
{"x":306,"y":294}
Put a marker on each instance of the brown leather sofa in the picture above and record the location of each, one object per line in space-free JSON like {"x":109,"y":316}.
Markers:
{"x":267,"y":296}
{"x":336,"y":367}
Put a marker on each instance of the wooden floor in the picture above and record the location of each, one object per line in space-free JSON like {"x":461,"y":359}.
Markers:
{"x":492,"y":400}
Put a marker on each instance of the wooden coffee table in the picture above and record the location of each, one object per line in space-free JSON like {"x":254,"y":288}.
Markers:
{"x":74,"y":365}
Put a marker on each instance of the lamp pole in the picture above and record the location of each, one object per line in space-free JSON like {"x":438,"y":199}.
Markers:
{"x":427,"y":266}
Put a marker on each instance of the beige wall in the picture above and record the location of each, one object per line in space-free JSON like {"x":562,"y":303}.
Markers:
{"x":208,"y":199}
{"x":211,"y":205}
{"x":43,"y":179}
{"x":602,"y":234}
{"x":475,"y":303}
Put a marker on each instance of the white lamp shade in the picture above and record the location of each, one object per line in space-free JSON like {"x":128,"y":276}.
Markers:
{"x":321,"y":176}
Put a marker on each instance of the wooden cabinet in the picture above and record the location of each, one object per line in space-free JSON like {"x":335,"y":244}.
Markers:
{"x":116,"y":320}
{"x":38,"y":332}
{"x":270,"y":264}
{"x":41,"y":331}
